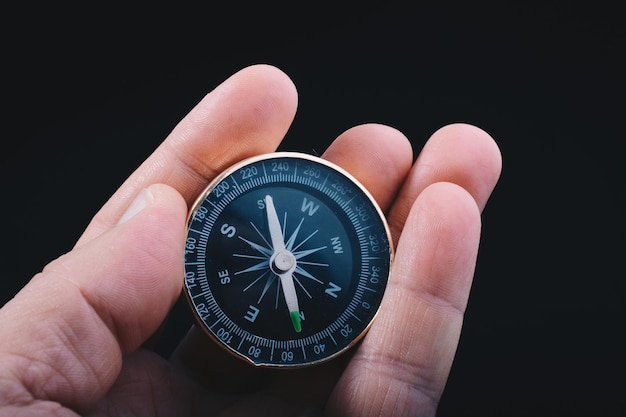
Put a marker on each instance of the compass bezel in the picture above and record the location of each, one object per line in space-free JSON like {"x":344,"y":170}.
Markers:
{"x":379,"y":221}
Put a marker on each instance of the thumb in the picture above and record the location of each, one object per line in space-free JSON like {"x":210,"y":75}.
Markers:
{"x":63,"y":336}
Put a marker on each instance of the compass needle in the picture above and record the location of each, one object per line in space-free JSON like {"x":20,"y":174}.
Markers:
{"x":297,"y":234}
{"x":289,"y":291}
{"x":282,"y":262}
{"x":295,"y":320}
{"x":273,"y":224}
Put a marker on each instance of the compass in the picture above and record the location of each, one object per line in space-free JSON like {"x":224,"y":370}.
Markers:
{"x":287,"y":258}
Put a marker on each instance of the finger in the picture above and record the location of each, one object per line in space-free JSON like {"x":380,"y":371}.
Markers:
{"x":401,"y":367}
{"x":458,"y":153}
{"x":64,"y":334}
{"x":207,"y":363}
{"x":259,"y":391}
{"x":247,"y":114}
{"x":377,"y":155}
{"x":149,"y":385}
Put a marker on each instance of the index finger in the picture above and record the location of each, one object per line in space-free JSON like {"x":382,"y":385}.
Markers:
{"x":247,"y":114}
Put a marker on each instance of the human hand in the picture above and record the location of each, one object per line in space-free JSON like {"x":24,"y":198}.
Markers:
{"x":70,"y":341}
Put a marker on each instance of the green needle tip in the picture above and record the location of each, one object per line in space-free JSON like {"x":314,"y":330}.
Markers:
{"x":295,"y":319}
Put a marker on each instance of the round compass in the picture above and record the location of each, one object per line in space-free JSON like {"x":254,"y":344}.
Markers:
{"x":286,"y":260}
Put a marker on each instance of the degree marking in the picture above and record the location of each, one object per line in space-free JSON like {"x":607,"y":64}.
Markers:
{"x":202,"y":294}
{"x":349,"y":201}
{"x":323,"y":185}
{"x":200,"y":232}
{"x":216,"y":322}
{"x":214,"y":205}
{"x":352,"y":314}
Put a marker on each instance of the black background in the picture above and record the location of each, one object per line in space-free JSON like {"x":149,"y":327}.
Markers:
{"x":89,"y":92}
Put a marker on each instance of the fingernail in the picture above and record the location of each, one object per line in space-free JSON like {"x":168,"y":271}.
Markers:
{"x":140,"y":202}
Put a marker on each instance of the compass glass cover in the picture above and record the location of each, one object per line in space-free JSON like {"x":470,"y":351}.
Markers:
{"x":286,"y":260}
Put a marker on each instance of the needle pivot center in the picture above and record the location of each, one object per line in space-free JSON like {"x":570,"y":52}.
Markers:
{"x":282,"y":262}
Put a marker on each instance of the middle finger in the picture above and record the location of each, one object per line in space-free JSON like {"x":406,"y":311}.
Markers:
{"x":378,"y":156}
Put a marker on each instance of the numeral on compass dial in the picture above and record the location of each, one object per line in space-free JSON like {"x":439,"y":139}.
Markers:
{"x":286,"y":260}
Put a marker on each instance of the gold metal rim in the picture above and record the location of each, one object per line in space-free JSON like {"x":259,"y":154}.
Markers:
{"x":302,"y":156}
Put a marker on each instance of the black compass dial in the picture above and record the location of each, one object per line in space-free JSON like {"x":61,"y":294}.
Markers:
{"x":286,"y":260}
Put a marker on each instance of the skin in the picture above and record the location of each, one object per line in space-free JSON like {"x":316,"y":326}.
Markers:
{"x":72,"y":342}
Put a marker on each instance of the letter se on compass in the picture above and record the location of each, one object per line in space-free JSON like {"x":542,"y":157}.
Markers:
{"x":286,"y":260}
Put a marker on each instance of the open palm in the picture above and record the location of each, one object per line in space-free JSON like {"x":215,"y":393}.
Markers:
{"x":70,"y":341}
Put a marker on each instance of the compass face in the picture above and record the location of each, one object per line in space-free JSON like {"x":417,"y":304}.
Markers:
{"x":286,"y":260}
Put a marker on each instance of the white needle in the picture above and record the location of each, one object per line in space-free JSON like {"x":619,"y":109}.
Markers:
{"x":286,"y":280}
{"x":283,"y":263}
{"x":278,"y":242}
